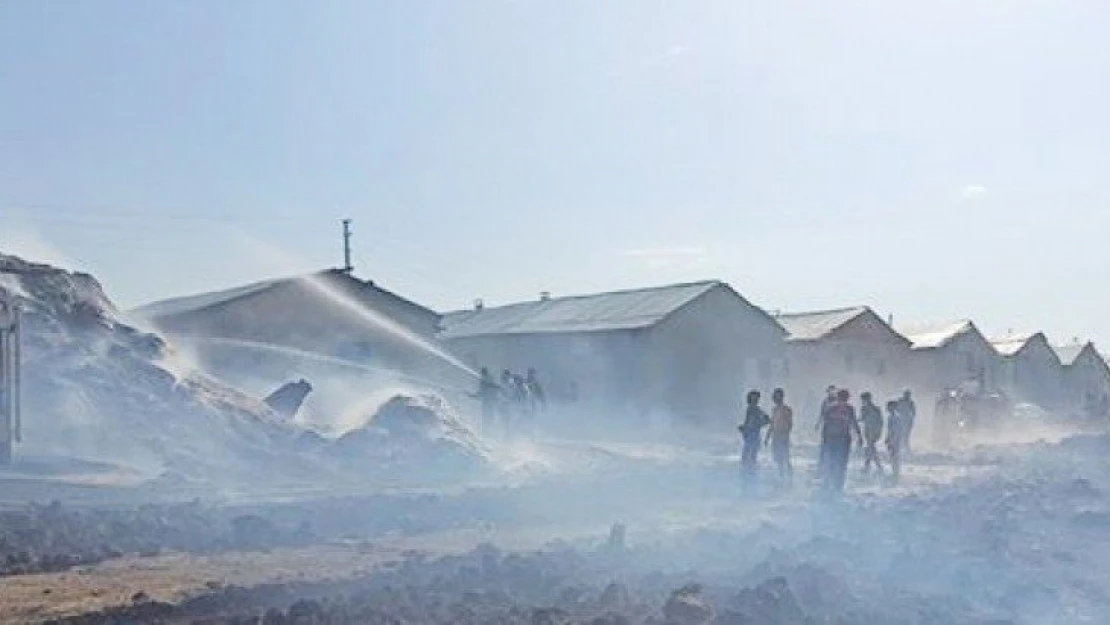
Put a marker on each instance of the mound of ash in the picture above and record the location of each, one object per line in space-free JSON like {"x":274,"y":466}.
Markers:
{"x":97,"y":387}
{"x":418,"y":434}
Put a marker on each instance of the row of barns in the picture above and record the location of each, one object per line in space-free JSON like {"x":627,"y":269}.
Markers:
{"x":687,"y":351}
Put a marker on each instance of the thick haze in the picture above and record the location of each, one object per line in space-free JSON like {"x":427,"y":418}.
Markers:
{"x":935,"y":159}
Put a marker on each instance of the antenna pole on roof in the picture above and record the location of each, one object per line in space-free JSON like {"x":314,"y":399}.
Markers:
{"x":347,"y":266}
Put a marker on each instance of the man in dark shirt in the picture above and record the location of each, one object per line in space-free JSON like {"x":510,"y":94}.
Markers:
{"x":872,"y":418}
{"x":755,"y":419}
{"x":838,"y":424}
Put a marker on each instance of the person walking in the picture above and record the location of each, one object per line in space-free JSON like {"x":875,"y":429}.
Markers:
{"x":895,"y":435}
{"x":838,"y":425}
{"x":908,"y":411}
{"x":872,"y":417}
{"x":755,"y":419}
{"x":778,"y":435}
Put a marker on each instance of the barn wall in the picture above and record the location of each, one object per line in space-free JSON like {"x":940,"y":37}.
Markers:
{"x":293,"y":316}
{"x":590,"y":368}
{"x":693,"y":366}
{"x":862,"y":355}
{"x":1087,"y":384}
{"x":711,"y":352}
{"x":958,"y":361}
{"x":1036,"y":376}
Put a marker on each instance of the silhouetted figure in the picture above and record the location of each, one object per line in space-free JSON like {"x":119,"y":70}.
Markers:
{"x":895,"y":436}
{"x":946,"y":417}
{"x":872,"y":417}
{"x":778,"y":435}
{"x":828,"y":402}
{"x":508,"y":397}
{"x":838,"y":424}
{"x":287,"y":400}
{"x":535,"y":390}
{"x":908,"y":410}
{"x":522,"y":406}
{"x":489,"y":394}
{"x":755,"y":419}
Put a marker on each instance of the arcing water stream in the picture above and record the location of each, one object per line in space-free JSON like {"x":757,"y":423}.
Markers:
{"x":293,"y":352}
{"x":378,"y":321}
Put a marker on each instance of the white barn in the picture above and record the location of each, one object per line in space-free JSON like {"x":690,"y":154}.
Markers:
{"x":852,"y":348}
{"x":1032,"y":372}
{"x":952,"y":355}
{"x":1086,"y":379}
{"x":687,"y":350}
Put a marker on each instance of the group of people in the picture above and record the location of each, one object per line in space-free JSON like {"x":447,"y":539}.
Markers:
{"x":838,"y":425}
{"x":510,"y":401}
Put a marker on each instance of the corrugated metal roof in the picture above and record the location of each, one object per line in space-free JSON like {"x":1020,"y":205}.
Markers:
{"x":1012,"y":344}
{"x":618,"y":310}
{"x":812,"y":326}
{"x":1068,"y":354}
{"x":193,"y":303}
{"x":932,"y":335}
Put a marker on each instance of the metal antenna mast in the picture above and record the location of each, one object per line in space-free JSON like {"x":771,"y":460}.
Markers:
{"x":347,"y":266}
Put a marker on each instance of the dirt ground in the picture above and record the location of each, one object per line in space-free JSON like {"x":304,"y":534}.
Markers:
{"x":176,"y":577}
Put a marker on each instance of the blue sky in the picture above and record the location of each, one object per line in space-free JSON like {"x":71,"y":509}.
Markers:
{"x":933,"y":159}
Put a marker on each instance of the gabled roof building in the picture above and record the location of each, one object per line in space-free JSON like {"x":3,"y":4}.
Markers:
{"x":329,"y":312}
{"x":1086,"y":379}
{"x":952,"y":355}
{"x":851,"y":348}
{"x":1031,"y":369}
{"x":686,"y":351}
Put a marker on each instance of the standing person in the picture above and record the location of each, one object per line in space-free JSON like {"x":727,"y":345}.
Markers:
{"x":945,"y":418}
{"x":778,"y":435}
{"x":908,"y":410}
{"x":838,"y":424}
{"x":754,"y":422}
{"x":895,"y":436}
{"x":522,"y":403}
{"x":872,"y":417}
{"x":535,"y":390}
{"x":826,"y":404}
{"x":508,"y":399}
{"x":488,"y":394}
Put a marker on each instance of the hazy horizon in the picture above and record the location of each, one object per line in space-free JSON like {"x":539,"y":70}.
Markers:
{"x":934,"y":161}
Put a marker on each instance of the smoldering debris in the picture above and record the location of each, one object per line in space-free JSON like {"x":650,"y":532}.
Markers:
{"x":97,"y":389}
{"x":553,"y":587}
{"x":288,"y":399}
{"x":100,"y":388}
{"x":418,"y":434}
{"x":45,"y":538}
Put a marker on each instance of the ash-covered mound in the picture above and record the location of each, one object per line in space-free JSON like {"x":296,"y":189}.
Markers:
{"x":414,"y":433}
{"x":95,"y":387}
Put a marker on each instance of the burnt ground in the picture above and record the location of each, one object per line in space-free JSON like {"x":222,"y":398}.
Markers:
{"x":560,"y":585}
{"x":411,"y":558}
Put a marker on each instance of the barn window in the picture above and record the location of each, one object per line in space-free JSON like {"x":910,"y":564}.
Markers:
{"x":881,"y":369}
{"x":849,"y":363}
